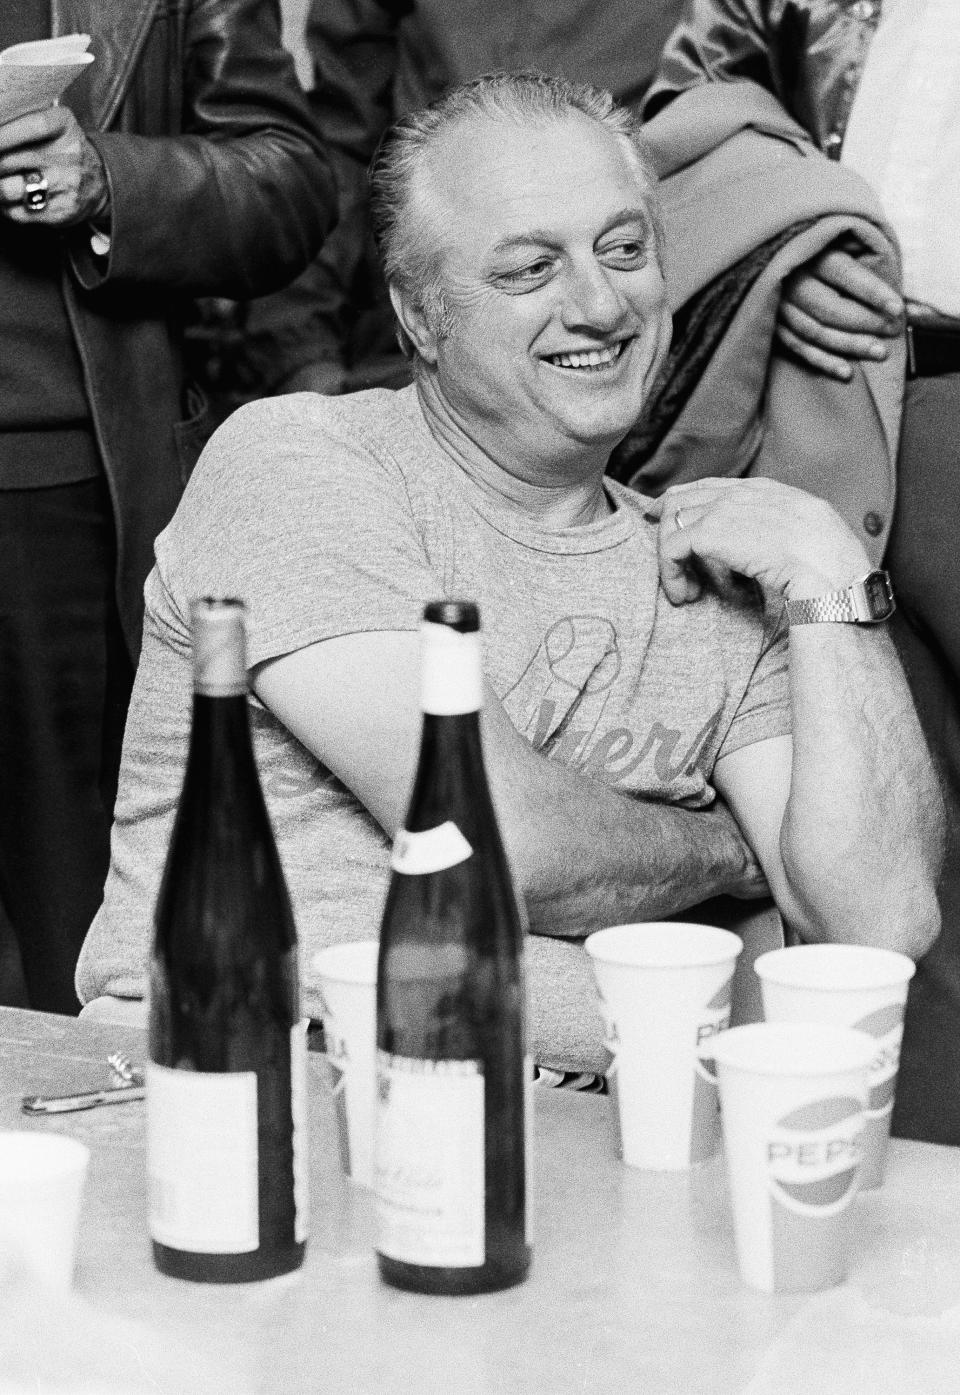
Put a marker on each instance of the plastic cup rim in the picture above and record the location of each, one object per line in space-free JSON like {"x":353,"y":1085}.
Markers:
{"x":724,"y":1048}
{"x":728,"y":945}
{"x":41,"y":1156}
{"x":766,"y":967}
{"x":355,"y":966}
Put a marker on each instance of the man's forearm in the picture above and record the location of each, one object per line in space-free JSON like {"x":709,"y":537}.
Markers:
{"x":847,"y":821}
{"x":647,"y":862}
{"x":586,"y":856}
{"x":861,"y":839}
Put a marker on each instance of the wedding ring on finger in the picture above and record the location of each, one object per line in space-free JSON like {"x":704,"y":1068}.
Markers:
{"x":35,"y":190}
{"x":678,"y":521}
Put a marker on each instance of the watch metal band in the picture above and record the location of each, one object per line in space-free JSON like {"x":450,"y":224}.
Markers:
{"x":835,"y":607}
{"x":868,"y":601}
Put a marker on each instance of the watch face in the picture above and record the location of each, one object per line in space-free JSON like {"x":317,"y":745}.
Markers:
{"x":879,"y":594}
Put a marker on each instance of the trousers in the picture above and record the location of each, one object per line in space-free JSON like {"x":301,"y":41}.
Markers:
{"x":924,"y":563}
{"x":65,"y":681}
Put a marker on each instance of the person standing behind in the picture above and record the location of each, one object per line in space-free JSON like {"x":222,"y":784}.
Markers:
{"x":183,"y":162}
{"x":877,"y":86}
{"x":332,"y":330}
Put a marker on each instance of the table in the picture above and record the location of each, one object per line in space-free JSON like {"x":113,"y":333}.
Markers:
{"x":634,"y":1286}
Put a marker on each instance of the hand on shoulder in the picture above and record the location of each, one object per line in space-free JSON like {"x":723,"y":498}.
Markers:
{"x":791,"y":542}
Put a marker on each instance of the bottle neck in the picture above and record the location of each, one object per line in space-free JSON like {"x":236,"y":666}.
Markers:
{"x":221,"y":749}
{"x":451,"y":672}
{"x":451,"y":781}
{"x":216,"y":713}
{"x":219,"y":648}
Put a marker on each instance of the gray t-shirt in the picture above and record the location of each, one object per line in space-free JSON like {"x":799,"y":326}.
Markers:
{"x":330,"y":516}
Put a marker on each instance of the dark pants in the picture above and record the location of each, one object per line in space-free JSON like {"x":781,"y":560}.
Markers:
{"x":924,"y":561}
{"x":65,"y":680}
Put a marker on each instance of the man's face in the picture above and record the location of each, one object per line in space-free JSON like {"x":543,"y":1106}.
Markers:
{"x":550,"y":270}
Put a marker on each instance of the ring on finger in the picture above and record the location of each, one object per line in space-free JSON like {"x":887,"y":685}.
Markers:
{"x":35,"y":190}
{"x":678,"y":521}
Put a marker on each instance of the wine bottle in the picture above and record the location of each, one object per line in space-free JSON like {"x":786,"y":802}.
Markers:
{"x":453,"y":1082}
{"x":226,"y":1076}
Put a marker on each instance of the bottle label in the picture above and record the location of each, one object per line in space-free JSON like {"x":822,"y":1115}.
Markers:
{"x":202,"y":1160}
{"x":417,"y":854}
{"x":430,"y":1161}
{"x":298,"y":1107}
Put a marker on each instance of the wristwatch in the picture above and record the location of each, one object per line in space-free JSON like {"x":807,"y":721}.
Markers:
{"x":866,"y":602}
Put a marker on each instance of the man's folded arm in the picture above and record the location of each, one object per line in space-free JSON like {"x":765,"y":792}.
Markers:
{"x":583,"y":854}
{"x":845,"y":817}
{"x":850,"y":837}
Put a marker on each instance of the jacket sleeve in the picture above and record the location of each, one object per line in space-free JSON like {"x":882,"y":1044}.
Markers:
{"x":353,"y":48}
{"x":240,"y":198}
{"x":716,"y":41}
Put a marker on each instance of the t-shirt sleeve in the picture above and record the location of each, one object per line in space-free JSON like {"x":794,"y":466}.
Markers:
{"x":298,"y":508}
{"x":764,"y":710}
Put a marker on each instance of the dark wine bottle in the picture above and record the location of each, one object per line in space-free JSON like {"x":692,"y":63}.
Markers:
{"x":226,"y":1076}
{"x":453,"y":1082}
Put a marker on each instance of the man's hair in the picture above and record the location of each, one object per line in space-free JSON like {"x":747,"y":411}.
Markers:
{"x":410,"y":260}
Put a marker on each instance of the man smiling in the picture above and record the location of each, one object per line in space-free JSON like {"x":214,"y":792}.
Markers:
{"x":635,"y":656}
{"x":564,"y":377}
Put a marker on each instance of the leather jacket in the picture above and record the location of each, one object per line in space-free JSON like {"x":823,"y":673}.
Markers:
{"x":218,"y":186}
{"x":809,"y":53}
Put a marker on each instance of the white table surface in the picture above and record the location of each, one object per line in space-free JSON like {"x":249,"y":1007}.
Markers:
{"x":634,"y":1285}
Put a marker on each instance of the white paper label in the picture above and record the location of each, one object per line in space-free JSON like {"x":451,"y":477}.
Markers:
{"x":429,"y":1173}
{"x":298,"y":1109}
{"x":416,"y":854}
{"x":202,"y":1160}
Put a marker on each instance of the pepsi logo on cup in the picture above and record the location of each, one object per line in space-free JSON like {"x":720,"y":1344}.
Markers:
{"x":611,"y":1037}
{"x":886,"y":1024}
{"x":813,"y":1160}
{"x":714,"y":1018}
{"x":337,"y":1064}
{"x":611,"y":1043}
{"x":813,"y":1155}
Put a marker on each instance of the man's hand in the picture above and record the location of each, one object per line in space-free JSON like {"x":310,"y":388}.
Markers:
{"x":791,"y":542}
{"x":51,"y":144}
{"x":836,"y":309}
{"x":751,"y":883}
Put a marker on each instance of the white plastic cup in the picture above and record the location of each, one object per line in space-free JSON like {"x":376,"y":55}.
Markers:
{"x":347,"y":975}
{"x":664,"y":990}
{"x":41,"y":1187}
{"x":793,"y":1098}
{"x":850,"y":986}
